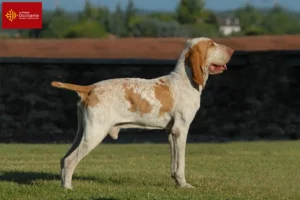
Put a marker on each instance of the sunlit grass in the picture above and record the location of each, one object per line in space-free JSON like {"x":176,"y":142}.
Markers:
{"x":258,"y":170}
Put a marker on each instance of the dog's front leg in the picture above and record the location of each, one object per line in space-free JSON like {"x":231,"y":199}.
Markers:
{"x":179,"y":135}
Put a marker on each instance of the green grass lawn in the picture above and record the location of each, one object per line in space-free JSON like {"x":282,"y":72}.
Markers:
{"x":257,"y":170}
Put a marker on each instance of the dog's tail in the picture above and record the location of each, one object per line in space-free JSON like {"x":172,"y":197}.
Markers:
{"x":82,"y":91}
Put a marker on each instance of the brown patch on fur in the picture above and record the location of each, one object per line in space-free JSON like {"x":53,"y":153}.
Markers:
{"x":137,"y":103}
{"x":92,"y":99}
{"x":163,"y":95}
{"x":89,"y":99}
{"x":196,"y":57}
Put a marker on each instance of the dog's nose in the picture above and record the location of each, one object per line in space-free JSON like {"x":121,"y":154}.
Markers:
{"x":230,"y":51}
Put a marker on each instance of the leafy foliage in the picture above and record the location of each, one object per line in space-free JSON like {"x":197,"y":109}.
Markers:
{"x":275,"y":21}
{"x":86,"y":29}
{"x":98,"y":21}
{"x":117,"y":25}
{"x":189,"y":19}
{"x":163,"y":16}
{"x":188,"y":11}
{"x":129,"y":14}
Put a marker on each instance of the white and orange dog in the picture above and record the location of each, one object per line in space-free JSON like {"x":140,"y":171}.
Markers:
{"x":167,"y":102}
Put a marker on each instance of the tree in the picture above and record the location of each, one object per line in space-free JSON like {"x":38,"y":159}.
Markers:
{"x":151,"y":27}
{"x":288,"y":23}
{"x":210,"y":17}
{"x":96,"y":15}
{"x":250,"y":20}
{"x":86,"y":29}
{"x":87,"y":12}
{"x":130,"y":13}
{"x":37,"y":33}
{"x":188,"y":11}
{"x":104,"y":17}
{"x":117,"y":25}
{"x":254,"y":30}
{"x":201,"y":30}
{"x":162,"y":16}
{"x":57,"y":25}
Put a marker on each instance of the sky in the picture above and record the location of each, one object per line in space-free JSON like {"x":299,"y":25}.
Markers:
{"x":165,"y":5}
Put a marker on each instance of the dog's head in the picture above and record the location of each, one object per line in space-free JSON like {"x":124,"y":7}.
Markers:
{"x":205,"y":57}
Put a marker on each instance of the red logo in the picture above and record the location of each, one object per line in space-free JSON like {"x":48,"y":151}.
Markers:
{"x":21,"y":15}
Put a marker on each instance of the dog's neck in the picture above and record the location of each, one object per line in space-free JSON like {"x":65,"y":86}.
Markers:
{"x":183,"y":70}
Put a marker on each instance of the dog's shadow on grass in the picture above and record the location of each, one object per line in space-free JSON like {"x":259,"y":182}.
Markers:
{"x":30,"y":178}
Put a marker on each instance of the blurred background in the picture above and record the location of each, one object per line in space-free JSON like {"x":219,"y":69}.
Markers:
{"x":86,"y":41}
{"x":169,"y":18}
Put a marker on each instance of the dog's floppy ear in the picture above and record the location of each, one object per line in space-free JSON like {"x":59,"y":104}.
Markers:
{"x":195,"y":58}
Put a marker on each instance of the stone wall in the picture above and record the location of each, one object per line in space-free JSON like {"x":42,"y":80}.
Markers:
{"x":257,"y":98}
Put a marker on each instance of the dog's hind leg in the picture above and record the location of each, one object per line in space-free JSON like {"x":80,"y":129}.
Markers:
{"x":76,"y":141}
{"x":173,"y":157}
{"x":94,"y":132}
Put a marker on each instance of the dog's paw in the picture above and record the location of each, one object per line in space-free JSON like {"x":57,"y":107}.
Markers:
{"x":186,"y":185}
{"x":67,"y":187}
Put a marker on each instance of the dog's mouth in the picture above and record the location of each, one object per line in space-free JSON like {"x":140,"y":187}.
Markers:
{"x":217,"y":69}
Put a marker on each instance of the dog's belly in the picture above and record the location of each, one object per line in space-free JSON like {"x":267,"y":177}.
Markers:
{"x":146,"y":121}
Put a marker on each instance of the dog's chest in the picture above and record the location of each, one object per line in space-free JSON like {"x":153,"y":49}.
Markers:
{"x":188,"y":98}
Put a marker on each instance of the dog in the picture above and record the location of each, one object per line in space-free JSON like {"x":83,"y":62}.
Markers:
{"x":168,"y":102}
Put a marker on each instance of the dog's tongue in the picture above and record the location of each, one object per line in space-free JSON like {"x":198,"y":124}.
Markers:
{"x":221,"y":67}
{"x":218,"y":67}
